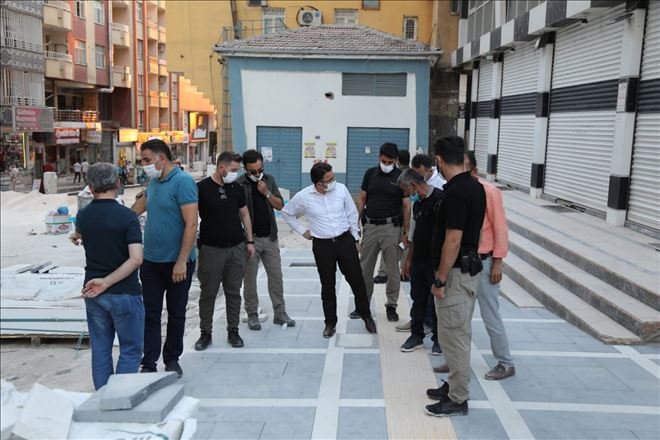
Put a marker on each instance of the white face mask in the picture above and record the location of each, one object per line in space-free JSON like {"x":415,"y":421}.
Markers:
{"x":331,"y":186}
{"x":255,"y":178}
{"x":151,"y":171}
{"x":386,"y":168}
{"x":230,"y":177}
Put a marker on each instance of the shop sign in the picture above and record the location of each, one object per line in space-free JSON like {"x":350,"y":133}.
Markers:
{"x":199,"y":127}
{"x":178,"y":137}
{"x":33,"y":118}
{"x":128,"y":135}
{"x":93,"y":136}
{"x":143,"y":137}
{"x":67,"y":136}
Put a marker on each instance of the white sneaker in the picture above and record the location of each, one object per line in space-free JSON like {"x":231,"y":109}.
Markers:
{"x":404,"y":327}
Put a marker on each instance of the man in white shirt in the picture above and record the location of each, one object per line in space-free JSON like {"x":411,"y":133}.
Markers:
{"x":84,"y":166}
{"x":76,"y":171}
{"x":334,"y":230}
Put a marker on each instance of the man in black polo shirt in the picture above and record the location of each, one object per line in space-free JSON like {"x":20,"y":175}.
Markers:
{"x":455,"y":255}
{"x":385,"y":214}
{"x":418,"y":263}
{"x":222,"y":250}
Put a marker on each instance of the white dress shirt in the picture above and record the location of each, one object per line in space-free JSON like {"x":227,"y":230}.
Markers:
{"x":329,"y":215}
{"x":436,"y":179}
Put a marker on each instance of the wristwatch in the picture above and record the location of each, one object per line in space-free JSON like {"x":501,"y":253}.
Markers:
{"x":439,"y":283}
{"x":268,"y":194}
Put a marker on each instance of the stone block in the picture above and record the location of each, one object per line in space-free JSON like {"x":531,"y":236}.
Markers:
{"x":152,"y":410}
{"x":125,"y":391}
{"x":46,"y":415}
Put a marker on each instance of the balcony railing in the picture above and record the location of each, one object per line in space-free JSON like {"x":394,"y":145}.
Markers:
{"x":152,"y":30}
{"x":153,"y":65}
{"x":59,"y":4}
{"x":120,"y":3}
{"x":76,"y":115}
{"x":121,"y":27}
{"x":59,"y":56}
{"x":121,"y":76}
{"x":252,"y":28}
{"x":20,"y":44}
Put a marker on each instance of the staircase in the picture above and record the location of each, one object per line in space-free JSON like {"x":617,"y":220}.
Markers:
{"x":603,"y":279}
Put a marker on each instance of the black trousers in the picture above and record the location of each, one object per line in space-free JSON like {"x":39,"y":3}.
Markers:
{"x":421,"y":282}
{"x":343,"y":252}
{"x":76,"y":176}
{"x":156,"y":284}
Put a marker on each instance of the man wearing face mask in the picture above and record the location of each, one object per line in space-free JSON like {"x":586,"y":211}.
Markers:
{"x":263,"y":197}
{"x":169,"y":254}
{"x":385,"y":214}
{"x":225,"y":244}
{"x":334,"y":231}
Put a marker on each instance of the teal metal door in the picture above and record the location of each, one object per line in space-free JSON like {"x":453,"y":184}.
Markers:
{"x":363,"y":148}
{"x":285,"y":143}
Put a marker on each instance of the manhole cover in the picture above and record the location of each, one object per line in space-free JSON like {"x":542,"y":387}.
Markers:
{"x":558,"y":208}
{"x":303,"y":264}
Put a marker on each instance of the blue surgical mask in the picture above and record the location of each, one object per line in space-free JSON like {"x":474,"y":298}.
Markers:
{"x":414,"y":198}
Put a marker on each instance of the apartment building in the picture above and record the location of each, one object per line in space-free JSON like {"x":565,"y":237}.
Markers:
{"x":565,"y":101}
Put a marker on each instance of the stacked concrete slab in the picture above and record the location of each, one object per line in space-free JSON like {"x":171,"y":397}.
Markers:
{"x":132,"y":398}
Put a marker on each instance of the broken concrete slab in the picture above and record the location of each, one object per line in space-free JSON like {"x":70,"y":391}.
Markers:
{"x":46,"y":415}
{"x":125,"y":391}
{"x":152,"y":410}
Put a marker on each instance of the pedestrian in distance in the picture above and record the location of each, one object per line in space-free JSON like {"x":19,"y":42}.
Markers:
{"x":170,"y":202}
{"x":77,"y":168}
{"x":225,"y":243}
{"x":334,"y":231}
{"x":455,"y":258}
{"x":385,"y":215}
{"x":111,"y":236}
{"x":84,"y":167}
{"x":263,"y":197}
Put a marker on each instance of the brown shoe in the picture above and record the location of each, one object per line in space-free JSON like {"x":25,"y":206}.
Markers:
{"x":329,"y":331}
{"x":500,"y":372}
{"x":370,"y":325}
{"x":441,"y":369}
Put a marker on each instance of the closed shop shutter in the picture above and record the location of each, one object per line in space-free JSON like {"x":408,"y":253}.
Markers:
{"x":516,"y":143}
{"x":483,"y":108}
{"x":644,"y":205}
{"x":583,"y":110}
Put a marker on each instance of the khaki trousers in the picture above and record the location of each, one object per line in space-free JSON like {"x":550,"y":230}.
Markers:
{"x":385,"y":239}
{"x":454,"y":313}
{"x":268,"y":252}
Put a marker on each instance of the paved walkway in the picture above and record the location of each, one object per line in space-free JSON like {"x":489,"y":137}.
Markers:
{"x":291,"y":383}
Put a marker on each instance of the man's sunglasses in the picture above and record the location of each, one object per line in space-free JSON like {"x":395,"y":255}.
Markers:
{"x":255,"y":172}
{"x":223,"y":195}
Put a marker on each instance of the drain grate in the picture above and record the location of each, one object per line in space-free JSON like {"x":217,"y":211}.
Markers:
{"x":558,"y":208}
{"x":303,"y":264}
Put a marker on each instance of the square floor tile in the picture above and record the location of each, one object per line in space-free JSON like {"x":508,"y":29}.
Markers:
{"x":479,"y":424}
{"x":362,"y":423}
{"x":361,"y":377}
{"x":278,"y":422}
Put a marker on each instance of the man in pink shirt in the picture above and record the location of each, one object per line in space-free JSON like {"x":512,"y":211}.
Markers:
{"x":493,"y":247}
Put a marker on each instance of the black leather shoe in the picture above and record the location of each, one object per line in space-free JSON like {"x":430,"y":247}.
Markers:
{"x":174,"y":366}
{"x":354,"y":315}
{"x":329,"y":331}
{"x":234,"y":339}
{"x":380,"y":279}
{"x":392,"y":315}
{"x":203,"y":342}
{"x":440,"y":394}
{"x":447,"y":408}
{"x":370,"y":325}
{"x":146,"y":369}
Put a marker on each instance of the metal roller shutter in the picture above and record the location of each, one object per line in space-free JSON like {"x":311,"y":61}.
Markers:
{"x":516,"y":143}
{"x":644,"y":205}
{"x":483,"y":119}
{"x":583,"y":110}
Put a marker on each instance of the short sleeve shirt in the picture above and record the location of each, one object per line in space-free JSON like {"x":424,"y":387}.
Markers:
{"x":463,"y":207}
{"x":384,"y":196}
{"x":163,"y":231}
{"x":107,"y":228}
{"x":219,"y":210}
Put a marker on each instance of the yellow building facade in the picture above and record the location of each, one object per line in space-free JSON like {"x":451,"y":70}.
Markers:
{"x":195,"y":26}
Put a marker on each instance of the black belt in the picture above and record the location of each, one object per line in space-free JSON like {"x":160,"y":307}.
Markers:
{"x":384,"y":221}
{"x":337,"y":238}
{"x":485,"y":256}
{"x":222,"y":244}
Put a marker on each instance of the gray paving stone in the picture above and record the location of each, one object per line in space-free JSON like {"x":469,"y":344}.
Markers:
{"x":236,"y":430}
{"x":648,"y":348}
{"x":361,"y":423}
{"x":152,"y":410}
{"x":203,"y":430}
{"x":279,"y":422}
{"x":124,"y":391}
{"x":45,"y":415}
{"x":479,"y":424}
{"x":361,"y":377}
{"x":355,"y":340}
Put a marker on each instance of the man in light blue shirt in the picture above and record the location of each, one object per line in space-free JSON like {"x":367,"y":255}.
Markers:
{"x":169,"y":253}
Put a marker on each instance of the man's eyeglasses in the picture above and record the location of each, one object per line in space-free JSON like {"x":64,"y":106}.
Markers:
{"x":255,"y":172}
{"x":223,"y":194}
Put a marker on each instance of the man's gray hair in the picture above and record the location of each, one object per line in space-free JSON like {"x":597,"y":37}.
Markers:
{"x":411,"y":176}
{"x":102,"y":177}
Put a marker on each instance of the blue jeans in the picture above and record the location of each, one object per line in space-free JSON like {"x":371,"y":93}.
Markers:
{"x":111,"y":313}
{"x":489,"y":306}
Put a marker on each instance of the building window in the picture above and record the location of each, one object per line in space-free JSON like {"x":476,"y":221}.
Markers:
{"x":81,"y":52}
{"x":175,"y":121}
{"x":141,"y":119}
{"x":374,"y":84}
{"x":516,"y":8}
{"x":139,"y":11}
{"x":454,"y":7}
{"x":410,"y":28}
{"x":140,"y":50}
{"x":99,"y":12}
{"x":175,"y":88}
{"x":20,"y":31}
{"x":481,"y":18}
{"x":273,"y":20}
{"x":100,"y":57}
{"x":346,"y":17}
{"x":370,"y":4}
{"x":140,"y":84}
{"x":22,"y":88}
{"x":80,"y":8}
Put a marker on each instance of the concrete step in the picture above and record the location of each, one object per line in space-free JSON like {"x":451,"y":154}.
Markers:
{"x":620,"y":257}
{"x":517,"y":295}
{"x":567,"y":305}
{"x":631,"y":313}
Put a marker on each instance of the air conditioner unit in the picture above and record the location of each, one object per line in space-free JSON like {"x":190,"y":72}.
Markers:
{"x":309,"y":17}
{"x":257,"y":2}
